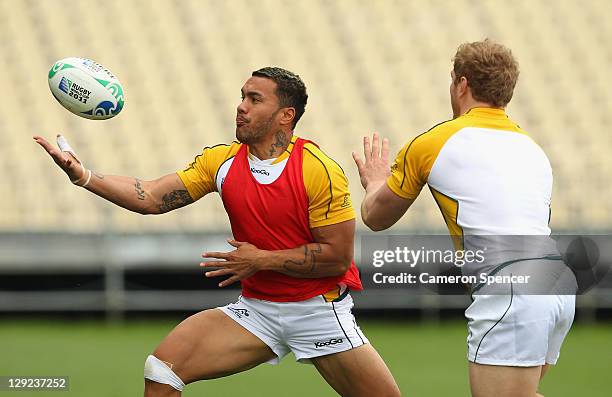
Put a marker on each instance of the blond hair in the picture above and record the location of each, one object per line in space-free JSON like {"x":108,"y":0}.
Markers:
{"x":490,"y":69}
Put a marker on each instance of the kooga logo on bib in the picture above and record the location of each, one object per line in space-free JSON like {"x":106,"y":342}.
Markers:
{"x":256,"y":171}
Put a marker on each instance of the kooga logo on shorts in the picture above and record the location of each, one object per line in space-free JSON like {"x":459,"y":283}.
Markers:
{"x":328,"y":343}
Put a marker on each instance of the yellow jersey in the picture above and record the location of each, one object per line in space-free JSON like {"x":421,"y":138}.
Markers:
{"x":329,"y":199}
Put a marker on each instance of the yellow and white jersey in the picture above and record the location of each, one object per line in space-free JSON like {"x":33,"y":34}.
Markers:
{"x":329,"y":200}
{"x":486,"y":174}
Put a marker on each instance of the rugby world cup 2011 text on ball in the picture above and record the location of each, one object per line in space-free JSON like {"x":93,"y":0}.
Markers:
{"x":86,"y":88}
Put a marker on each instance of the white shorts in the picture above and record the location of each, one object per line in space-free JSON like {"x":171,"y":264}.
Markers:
{"x":518,"y":330}
{"x":309,"y":328}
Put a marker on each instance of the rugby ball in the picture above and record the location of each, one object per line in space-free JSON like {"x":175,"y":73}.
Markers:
{"x":86,"y":88}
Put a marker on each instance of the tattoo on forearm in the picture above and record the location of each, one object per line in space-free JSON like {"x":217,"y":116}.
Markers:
{"x":280,"y":143}
{"x":306,"y":265}
{"x":139,"y":190}
{"x":174,"y":200}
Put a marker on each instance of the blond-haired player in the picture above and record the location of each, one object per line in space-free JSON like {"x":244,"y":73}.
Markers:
{"x":489,"y":178}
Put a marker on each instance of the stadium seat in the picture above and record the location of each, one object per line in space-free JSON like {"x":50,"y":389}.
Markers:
{"x":369,"y":66}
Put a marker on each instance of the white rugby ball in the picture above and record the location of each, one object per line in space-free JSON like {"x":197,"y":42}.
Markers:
{"x":86,"y":88}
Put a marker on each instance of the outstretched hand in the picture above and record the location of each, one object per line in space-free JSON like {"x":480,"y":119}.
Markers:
{"x":375,"y":169}
{"x":241,"y":263}
{"x":66,"y":160}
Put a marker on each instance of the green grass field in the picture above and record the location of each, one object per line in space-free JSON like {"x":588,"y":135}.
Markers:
{"x":427,"y":360}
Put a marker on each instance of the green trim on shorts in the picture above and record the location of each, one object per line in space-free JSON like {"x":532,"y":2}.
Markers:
{"x":508,"y":263}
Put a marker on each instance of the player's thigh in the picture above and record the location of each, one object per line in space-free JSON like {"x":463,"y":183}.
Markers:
{"x":208,"y":345}
{"x":501,"y":381}
{"x":544,"y":370}
{"x":358,"y":372}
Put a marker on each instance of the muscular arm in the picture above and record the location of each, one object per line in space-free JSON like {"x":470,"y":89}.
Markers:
{"x":381,"y":208}
{"x":330,"y":255}
{"x":145,"y":197}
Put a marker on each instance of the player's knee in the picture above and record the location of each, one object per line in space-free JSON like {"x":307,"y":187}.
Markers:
{"x":395,"y":392}
{"x":158,"y":371}
{"x":389,"y":390}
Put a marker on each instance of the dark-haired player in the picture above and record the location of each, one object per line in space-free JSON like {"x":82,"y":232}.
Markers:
{"x":293,"y":227}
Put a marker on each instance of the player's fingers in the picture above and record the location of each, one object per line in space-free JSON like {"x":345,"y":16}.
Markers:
{"x":227,"y":264}
{"x":65,"y":147}
{"x":38,"y":139}
{"x":212,"y":263}
{"x":72,"y":155}
{"x":218,"y":255}
{"x":217,"y":273}
{"x":229,"y":281}
{"x":57,"y":155}
{"x":235,"y":243}
{"x":358,"y":162}
{"x":384,"y":155}
{"x":45,"y":145}
{"x":367,"y":150}
{"x":375,"y":147}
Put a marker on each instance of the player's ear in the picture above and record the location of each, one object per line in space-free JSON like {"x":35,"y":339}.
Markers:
{"x":462,"y":85}
{"x":287,"y":115}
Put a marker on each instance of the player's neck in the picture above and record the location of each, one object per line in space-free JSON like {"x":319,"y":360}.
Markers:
{"x":472,"y":103}
{"x":272,"y":146}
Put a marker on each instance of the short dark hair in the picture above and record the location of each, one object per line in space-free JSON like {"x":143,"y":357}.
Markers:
{"x":490,"y":69}
{"x":290,"y":89}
